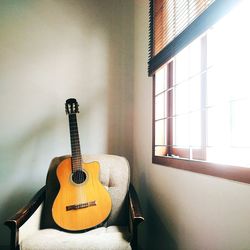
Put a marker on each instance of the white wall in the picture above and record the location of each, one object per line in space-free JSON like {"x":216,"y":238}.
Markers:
{"x":183,"y":210}
{"x":51,"y":50}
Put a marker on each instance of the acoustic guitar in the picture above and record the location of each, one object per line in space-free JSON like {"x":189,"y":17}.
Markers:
{"x":82,"y":201}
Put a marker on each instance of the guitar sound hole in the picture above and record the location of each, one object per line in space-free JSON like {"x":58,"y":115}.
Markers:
{"x":79,"y":177}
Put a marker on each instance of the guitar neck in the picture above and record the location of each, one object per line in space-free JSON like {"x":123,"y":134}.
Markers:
{"x":75,"y":143}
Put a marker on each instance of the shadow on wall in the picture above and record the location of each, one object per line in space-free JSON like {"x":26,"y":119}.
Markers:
{"x":153,"y":233}
{"x":159,"y":238}
{"x":24,"y":172}
{"x":11,"y":206}
{"x":120,"y":79}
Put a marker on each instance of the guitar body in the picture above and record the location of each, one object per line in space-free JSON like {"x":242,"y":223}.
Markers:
{"x":82,"y":202}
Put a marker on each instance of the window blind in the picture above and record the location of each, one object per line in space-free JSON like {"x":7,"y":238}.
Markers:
{"x":175,"y":23}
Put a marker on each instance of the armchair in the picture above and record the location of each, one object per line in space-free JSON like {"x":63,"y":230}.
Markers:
{"x":33,"y":227}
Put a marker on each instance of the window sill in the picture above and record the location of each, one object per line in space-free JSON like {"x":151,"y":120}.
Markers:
{"x":235,"y":173}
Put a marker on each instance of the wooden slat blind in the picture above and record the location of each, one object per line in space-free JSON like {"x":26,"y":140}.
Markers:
{"x":171,"y":17}
{"x":175,"y":23}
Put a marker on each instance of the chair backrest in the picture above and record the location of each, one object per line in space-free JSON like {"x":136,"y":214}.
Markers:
{"x":114,"y":174}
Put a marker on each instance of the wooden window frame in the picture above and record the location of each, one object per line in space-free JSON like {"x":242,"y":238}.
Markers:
{"x":230,"y":172}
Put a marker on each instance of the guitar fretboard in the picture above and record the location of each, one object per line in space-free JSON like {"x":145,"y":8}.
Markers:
{"x":75,"y":143}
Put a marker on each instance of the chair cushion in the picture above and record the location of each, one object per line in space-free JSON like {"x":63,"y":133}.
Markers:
{"x":114,"y":174}
{"x":102,"y":238}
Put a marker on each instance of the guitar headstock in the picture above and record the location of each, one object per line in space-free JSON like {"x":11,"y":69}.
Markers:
{"x":71,"y":106}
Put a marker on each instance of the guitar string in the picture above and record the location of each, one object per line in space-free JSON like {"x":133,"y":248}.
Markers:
{"x":77,"y":159}
{"x":73,"y":138}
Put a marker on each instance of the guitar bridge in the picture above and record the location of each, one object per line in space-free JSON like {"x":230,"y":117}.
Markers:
{"x":82,"y":205}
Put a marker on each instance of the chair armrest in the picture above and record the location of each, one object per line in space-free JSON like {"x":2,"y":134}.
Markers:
{"x":16,"y":221}
{"x":135,"y":214}
{"x":24,"y":213}
{"x":134,"y":206}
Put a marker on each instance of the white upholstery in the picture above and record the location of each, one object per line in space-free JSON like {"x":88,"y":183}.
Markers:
{"x":114,"y":174}
{"x":32,"y":225}
{"x":110,"y":238}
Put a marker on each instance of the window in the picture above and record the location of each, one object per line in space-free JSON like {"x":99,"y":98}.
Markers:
{"x":201,"y":119}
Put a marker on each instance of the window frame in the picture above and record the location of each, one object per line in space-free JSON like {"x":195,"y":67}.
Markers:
{"x":218,"y":9}
{"x":235,"y":173}
{"x":230,"y":172}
